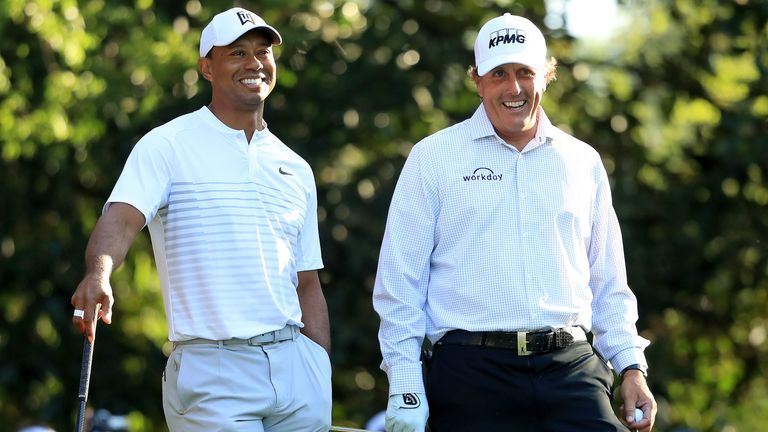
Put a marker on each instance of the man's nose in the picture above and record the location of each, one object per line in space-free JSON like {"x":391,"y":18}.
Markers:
{"x":254,"y":62}
{"x":513,"y":84}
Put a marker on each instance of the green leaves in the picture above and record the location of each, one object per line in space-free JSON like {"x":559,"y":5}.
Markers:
{"x":675,"y":103}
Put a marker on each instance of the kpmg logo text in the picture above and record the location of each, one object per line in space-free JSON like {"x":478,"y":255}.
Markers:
{"x":482,"y":174}
{"x":505,"y":36}
{"x":246,"y":17}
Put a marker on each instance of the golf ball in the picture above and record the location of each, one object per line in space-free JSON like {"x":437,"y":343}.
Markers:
{"x":638,"y":414}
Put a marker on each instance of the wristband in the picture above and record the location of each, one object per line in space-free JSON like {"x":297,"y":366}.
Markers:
{"x":642,"y":368}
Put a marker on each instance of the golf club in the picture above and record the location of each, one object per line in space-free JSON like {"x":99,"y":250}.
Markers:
{"x":347,"y":429}
{"x":85,"y":374}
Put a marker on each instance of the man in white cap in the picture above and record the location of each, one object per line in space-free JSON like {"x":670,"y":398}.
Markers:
{"x":232,"y":213}
{"x":503,"y":250}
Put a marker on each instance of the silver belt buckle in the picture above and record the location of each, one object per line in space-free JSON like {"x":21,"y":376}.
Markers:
{"x":522,"y":344}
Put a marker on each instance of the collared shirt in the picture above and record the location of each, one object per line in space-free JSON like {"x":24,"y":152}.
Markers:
{"x":231,"y":221}
{"x":483,"y":237}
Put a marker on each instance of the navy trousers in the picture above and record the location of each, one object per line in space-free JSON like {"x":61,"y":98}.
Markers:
{"x":473,"y":388}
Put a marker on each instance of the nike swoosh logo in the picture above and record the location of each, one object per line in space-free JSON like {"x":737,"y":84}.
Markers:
{"x":280,"y":170}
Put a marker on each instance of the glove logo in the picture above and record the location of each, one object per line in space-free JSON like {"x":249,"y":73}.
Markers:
{"x":411,"y":400}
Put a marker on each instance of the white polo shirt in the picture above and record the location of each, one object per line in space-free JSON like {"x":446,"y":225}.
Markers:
{"x":483,"y":237}
{"x":231,"y":224}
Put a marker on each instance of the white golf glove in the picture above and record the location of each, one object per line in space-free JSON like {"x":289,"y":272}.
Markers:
{"x":407,"y":412}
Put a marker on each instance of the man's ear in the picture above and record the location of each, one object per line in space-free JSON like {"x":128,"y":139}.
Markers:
{"x":204,"y":66}
{"x":478,"y":85}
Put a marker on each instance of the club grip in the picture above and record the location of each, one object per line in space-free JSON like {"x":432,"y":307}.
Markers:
{"x":85,"y":374}
{"x":85,"y":380}
{"x":85,"y":370}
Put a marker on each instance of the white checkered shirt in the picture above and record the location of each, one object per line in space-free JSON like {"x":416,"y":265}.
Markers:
{"x":483,"y":237}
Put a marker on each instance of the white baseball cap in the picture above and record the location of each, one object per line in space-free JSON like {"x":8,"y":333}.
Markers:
{"x":509,"y":39}
{"x":229,"y":25}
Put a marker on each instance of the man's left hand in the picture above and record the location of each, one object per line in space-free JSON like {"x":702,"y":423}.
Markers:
{"x":636,"y":394}
{"x":407,"y":412}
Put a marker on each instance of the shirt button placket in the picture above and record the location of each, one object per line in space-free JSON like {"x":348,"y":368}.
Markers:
{"x":525,"y":224}
{"x":253,"y":165}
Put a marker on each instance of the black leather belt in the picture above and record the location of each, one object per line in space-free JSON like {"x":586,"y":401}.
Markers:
{"x":524,"y":343}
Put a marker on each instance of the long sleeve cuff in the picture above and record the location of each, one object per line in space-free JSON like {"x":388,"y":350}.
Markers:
{"x":406,"y":378}
{"x":628,"y":357}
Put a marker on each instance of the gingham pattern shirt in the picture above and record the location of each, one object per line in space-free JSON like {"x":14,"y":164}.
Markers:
{"x":231,"y":221}
{"x":483,"y":237}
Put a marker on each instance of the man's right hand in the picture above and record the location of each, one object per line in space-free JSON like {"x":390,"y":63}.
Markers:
{"x":407,"y":412}
{"x":93,"y":297}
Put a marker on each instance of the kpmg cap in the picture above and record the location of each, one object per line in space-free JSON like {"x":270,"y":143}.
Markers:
{"x":229,"y":25}
{"x":509,"y":39}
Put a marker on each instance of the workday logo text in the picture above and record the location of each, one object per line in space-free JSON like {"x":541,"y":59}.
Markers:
{"x":482,"y":174}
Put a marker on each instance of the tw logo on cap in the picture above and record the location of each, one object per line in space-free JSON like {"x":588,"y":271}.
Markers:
{"x":246,"y":17}
{"x":506,"y":36}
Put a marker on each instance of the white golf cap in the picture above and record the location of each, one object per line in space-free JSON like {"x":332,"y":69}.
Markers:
{"x":509,"y":39}
{"x":229,"y":25}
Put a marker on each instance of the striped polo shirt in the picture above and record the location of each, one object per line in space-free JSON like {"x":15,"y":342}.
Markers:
{"x":231,"y":223}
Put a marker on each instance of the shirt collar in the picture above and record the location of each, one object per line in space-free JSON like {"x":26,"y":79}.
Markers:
{"x":481,"y":127}
{"x":213,"y":121}
{"x":210,"y":118}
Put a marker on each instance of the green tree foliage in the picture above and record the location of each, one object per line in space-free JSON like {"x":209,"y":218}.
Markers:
{"x":676,"y":104}
{"x":689,"y":82}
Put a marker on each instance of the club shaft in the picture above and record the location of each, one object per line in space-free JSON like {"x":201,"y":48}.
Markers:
{"x":81,"y":416}
{"x":347,"y":429}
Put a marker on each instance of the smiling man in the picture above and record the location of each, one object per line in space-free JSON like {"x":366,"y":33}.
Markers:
{"x":502,"y":249}
{"x":232,"y":213}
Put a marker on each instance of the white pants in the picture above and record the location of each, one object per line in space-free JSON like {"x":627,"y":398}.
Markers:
{"x":280,"y":387}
